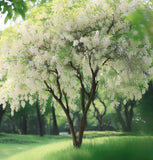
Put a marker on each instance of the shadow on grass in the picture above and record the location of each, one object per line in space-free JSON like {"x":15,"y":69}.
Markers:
{"x":114,"y":148}
{"x":6,"y":140}
{"x":95,"y":134}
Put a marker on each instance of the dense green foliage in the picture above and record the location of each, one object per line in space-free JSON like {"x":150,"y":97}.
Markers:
{"x":13,"y":8}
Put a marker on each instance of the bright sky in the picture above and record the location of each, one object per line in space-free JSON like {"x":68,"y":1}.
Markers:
{"x":2,"y":25}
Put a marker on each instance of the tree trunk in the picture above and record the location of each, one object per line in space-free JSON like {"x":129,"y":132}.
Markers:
{"x":74,"y":138}
{"x":83,"y":106}
{"x":55,"y":127}
{"x":99,"y":116}
{"x":128,"y":113}
{"x":124,"y":129}
{"x":127,"y":121}
{"x":24,"y":125}
{"x":39,"y":118}
{"x":2,"y":111}
{"x":102,"y":125}
{"x":82,"y":128}
{"x":131,"y":115}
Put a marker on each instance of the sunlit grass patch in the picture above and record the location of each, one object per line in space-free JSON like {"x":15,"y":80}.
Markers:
{"x":11,"y":144}
{"x":40,"y":152}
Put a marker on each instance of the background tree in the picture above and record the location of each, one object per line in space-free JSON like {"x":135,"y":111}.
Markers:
{"x":99,"y":116}
{"x":2,"y":111}
{"x":51,"y":108}
{"x":126,"y":122}
{"x":142,"y":20}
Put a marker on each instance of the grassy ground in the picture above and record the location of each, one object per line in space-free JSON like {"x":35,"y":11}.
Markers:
{"x":96,"y":146}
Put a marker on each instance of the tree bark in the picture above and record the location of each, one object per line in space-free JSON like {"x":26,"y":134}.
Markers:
{"x":99,"y":116}
{"x":74,"y":138}
{"x":83,"y":106}
{"x":82,"y":128}
{"x":24,"y":125}
{"x":131,"y":115}
{"x":55,"y":127}
{"x":39,"y":118}
{"x":2,"y":111}
{"x":122,"y":122}
{"x":128,"y":114}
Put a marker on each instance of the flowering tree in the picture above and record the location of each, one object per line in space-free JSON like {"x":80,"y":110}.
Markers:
{"x":72,"y":50}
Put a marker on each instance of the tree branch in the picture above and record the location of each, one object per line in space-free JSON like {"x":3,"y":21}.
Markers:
{"x":51,"y":90}
{"x":106,"y":61}
{"x":66,"y":100}
{"x":111,"y":25}
{"x":105,"y":107}
{"x":89,"y":57}
{"x":58,"y":83}
{"x":79,"y":76}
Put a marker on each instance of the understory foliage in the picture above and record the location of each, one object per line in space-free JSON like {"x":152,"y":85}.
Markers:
{"x":78,"y":45}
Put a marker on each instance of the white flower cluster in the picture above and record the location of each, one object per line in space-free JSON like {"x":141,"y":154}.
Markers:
{"x":95,"y":29}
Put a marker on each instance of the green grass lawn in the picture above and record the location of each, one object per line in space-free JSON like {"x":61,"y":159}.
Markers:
{"x":96,"y":146}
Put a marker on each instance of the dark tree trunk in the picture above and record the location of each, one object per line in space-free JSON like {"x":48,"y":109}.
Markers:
{"x":128,"y":114}
{"x":86,"y":124}
{"x":55,"y":127}
{"x":24,"y":125}
{"x":74,"y":138}
{"x":83,"y":107}
{"x":99,"y":116}
{"x":82,"y":128}
{"x":2,"y":111}
{"x":102,"y":125}
{"x":39,"y":118}
{"x":118,"y":111}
